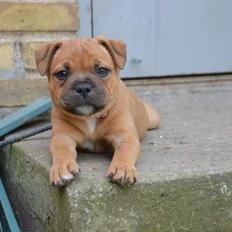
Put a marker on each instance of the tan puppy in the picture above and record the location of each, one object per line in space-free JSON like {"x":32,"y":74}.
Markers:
{"x":92,"y":108}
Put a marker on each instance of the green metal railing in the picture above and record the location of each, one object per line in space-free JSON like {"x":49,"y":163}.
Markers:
{"x":8,"y":222}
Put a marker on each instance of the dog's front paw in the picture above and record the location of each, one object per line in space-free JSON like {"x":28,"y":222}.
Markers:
{"x":62,"y":172}
{"x":122,"y":173}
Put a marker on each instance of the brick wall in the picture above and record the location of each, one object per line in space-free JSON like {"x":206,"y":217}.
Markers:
{"x":26,"y":24}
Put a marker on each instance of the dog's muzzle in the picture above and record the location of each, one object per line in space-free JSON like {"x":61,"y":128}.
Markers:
{"x":84,"y":98}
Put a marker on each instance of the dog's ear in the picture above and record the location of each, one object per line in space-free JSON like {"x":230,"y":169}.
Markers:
{"x":116,"y":48}
{"x":44,"y":56}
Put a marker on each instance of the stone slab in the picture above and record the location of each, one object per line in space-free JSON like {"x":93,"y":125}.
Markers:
{"x":17,"y":92}
{"x":185,"y":171}
{"x":21,"y":92}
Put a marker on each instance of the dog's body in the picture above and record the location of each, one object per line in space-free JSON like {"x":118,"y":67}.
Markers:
{"x":92,"y":108}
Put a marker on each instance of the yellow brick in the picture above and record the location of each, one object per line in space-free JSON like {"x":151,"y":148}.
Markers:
{"x":28,"y":54}
{"x":38,"y":16}
{"x":6,"y":56}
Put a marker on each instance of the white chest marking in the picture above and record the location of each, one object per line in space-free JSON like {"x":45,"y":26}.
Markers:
{"x":88,"y":145}
{"x":91,"y":125}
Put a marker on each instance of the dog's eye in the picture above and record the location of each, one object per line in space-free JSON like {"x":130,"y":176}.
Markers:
{"x":62,"y":75}
{"x":102,"y":72}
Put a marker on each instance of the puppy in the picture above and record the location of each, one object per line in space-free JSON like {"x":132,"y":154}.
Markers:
{"x":92,"y":108}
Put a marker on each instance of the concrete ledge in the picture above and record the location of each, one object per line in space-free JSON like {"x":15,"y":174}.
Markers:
{"x":21,"y":92}
{"x":27,"y":90}
{"x":92,"y":204}
{"x":185,"y":173}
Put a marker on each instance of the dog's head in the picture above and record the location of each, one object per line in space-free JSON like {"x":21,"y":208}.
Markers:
{"x":83,"y":73}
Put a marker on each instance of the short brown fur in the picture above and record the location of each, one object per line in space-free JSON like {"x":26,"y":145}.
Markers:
{"x":117,"y":126}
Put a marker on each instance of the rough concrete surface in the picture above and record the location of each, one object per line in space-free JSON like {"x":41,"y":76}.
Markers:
{"x":185,"y":171}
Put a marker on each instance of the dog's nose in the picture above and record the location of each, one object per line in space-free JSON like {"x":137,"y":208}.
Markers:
{"x":83,"y":89}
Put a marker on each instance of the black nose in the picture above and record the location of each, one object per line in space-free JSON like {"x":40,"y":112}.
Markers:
{"x":83,"y":89}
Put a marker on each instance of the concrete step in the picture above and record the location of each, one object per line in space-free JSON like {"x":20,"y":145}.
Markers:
{"x":185,"y":171}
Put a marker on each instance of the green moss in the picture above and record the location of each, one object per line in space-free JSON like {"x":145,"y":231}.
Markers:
{"x":197,"y":204}
{"x":35,"y":201}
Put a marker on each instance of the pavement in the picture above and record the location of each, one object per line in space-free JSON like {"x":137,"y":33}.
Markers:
{"x":185,"y":171}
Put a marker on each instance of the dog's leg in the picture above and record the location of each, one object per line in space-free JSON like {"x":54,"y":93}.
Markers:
{"x":122,"y":169}
{"x":64,"y":165}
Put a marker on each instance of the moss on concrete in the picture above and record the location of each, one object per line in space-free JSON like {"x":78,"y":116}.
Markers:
{"x":196,"y":204}
{"x":190,"y":204}
{"x":36,"y":204}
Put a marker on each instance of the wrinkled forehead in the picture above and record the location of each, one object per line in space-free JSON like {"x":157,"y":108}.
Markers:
{"x":82,"y":54}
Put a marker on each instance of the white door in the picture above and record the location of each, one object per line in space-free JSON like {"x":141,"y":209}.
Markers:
{"x":165,"y":37}
{"x":132,"y":21}
{"x":194,"y":37}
